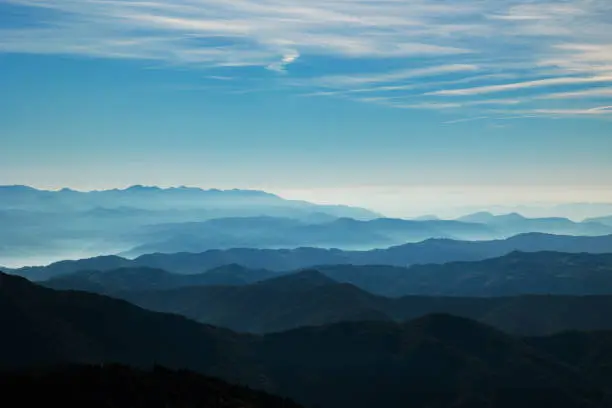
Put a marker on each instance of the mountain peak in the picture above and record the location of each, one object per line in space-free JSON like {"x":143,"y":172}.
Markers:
{"x":139,"y":187}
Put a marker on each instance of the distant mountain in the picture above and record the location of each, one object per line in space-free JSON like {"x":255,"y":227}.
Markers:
{"x":143,"y":278}
{"x":111,"y":385}
{"x":429,"y":251}
{"x":44,"y":226}
{"x":434,"y":361}
{"x":243,"y":202}
{"x":574,"y":211}
{"x":276,"y":233}
{"x":601,"y":220}
{"x":514,"y":223}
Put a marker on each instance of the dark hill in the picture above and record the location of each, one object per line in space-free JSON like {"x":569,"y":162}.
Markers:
{"x":302,"y":299}
{"x":436,"y":361}
{"x":123,"y":387}
{"x":48,"y":326}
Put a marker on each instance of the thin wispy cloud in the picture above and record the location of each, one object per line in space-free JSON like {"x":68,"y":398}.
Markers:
{"x":413,"y":48}
{"x":599,"y":110}
{"x":341,"y":81}
{"x":523,"y":85}
{"x":587,"y":93}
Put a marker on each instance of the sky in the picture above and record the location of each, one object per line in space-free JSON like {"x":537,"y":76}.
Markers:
{"x":397,"y":105}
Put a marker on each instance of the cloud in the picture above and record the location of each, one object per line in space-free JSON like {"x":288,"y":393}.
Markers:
{"x":455,"y":105}
{"x":340,"y":81}
{"x":523,"y":85}
{"x":473,"y":119}
{"x":600,"y":110}
{"x":388,"y":48}
{"x":587,"y":93}
{"x":287,"y":59}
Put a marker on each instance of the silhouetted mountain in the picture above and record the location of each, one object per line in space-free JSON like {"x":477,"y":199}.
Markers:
{"x":267,"y":308}
{"x":590,"y":352}
{"x":143,"y":278}
{"x":100,"y":263}
{"x":514,"y":223}
{"x":311,"y":297}
{"x":553,"y":273}
{"x":434,"y":361}
{"x":302,"y":299}
{"x":78,"y":386}
{"x":234,"y":275}
{"x":430,"y":251}
{"x":50,"y":327}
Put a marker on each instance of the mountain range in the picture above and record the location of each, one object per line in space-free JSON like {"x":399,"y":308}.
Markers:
{"x":514,"y":223}
{"x":310,"y":297}
{"x":438,"y":360}
{"x":219,"y":203}
{"x":601,"y":220}
{"x":429,"y":251}
{"x":517,"y":273}
{"x":344,"y":233}
{"x":276,"y":233}
{"x":41,"y":226}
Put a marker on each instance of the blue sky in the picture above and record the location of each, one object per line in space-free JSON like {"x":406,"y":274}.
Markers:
{"x":303,"y":96}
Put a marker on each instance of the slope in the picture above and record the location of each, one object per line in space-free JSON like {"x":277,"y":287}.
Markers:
{"x":434,"y":361}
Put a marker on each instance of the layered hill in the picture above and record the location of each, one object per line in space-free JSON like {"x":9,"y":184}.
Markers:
{"x":313,"y":297}
{"x":436,"y":361}
{"x":514,"y":223}
{"x":143,"y":279}
{"x":429,"y":251}
{"x":44,"y":226}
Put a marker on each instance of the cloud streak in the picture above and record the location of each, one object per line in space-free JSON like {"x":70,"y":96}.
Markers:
{"x":523,"y":85}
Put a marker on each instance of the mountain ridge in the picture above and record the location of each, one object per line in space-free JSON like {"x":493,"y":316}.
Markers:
{"x":524,"y":293}
{"x":425,"y":252}
{"x":438,"y":360}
